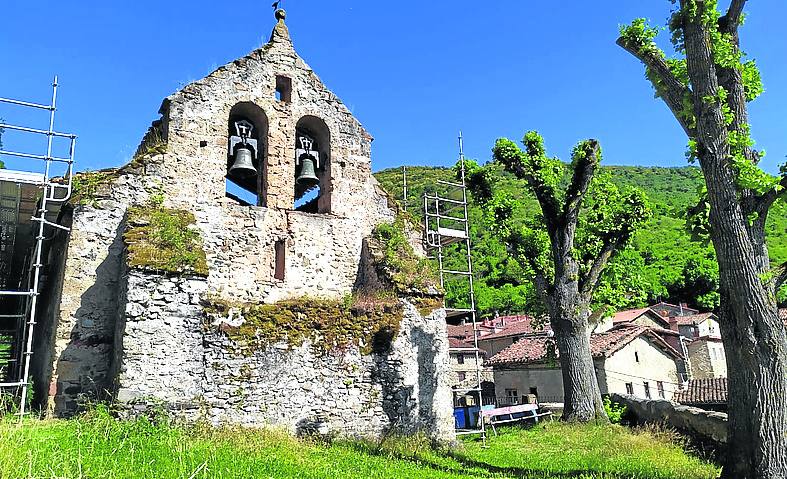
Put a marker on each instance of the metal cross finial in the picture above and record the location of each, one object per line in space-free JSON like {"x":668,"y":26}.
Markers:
{"x":276,"y":4}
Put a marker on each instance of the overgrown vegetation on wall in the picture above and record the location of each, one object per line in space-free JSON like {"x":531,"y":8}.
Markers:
{"x":164,"y":240}
{"x":396,"y":261}
{"x":370,"y":324}
{"x":154,"y":143}
{"x":88,"y":186}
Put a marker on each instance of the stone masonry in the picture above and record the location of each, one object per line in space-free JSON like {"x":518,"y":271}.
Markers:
{"x":139,"y":337}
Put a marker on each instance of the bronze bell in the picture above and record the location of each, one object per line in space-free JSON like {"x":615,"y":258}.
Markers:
{"x":307,"y":176}
{"x":243,"y":165}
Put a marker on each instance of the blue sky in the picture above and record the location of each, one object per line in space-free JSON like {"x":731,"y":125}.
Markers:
{"x":413,"y":73}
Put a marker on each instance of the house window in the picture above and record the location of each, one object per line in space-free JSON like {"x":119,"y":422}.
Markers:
{"x":534,"y":391}
{"x":636,"y":356}
{"x":283,"y":89}
{"x":647,"y":389}
{"x":462,"y":375}
{"x":660,"y":387}
{"x":630,"y":388}
{"x":460,"y":359}
{"x":511,"y":396}
{"x":279,"y":251}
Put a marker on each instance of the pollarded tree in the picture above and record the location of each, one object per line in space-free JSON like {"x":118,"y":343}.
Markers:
{"x":566,"y":249}
{"x":707,"y":88}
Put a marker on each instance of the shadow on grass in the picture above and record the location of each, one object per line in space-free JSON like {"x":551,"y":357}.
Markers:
{"x":473,"y":468}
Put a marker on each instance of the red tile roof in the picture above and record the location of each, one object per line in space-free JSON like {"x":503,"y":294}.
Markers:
{"x":703,"y":391}
{"x":503,"y":321}
{"x":663,"y":306}
{"x":602,"y":345}
{"x":465,"y":331}
{"x":522,"y":327}
{"x":630,"y":315}
{"x":692,"y":319}
{"x":456,"y":343}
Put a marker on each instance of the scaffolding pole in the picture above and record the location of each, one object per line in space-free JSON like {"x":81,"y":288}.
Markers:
{"x":53,"y":192}
{"x":442,"y":227}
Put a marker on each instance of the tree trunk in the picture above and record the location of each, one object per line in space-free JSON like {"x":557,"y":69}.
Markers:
{"x":568,"y":317}
{"x":753,"y":336}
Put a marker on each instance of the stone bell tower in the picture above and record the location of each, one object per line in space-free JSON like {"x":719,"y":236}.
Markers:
{"x":211,"y":274}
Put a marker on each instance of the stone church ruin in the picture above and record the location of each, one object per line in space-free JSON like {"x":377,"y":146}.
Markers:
{"x":245,"y":267}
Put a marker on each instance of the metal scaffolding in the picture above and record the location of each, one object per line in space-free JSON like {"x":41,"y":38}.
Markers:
{"x":446,"y":222}
{"x":52,"y":191}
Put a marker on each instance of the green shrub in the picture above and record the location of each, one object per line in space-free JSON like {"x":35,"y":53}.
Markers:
{"x":615,"y":411}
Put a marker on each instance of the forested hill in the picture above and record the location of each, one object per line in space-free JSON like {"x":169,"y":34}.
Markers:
{"x":663,"y":263}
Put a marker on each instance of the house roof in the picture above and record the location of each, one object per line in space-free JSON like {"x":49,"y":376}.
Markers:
{"x":464,"y":331}
{"x":456,"y":343}
{"x":522,"y":327}
{"x":503,"y":321}
{"x":602,"y":345}
{"x":692,"y":319}
{"x":630,"y":315}
{"x":703,"y":391}
{"x":669,"y":308}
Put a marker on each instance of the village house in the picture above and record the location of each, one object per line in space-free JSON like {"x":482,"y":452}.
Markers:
{"x":694,"y":334}
{"x":629,"y":359}
{"x":509,"y":329}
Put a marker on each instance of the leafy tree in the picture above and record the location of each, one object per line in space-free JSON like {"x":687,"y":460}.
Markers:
{"x":583,"y":222}
{"x":707,"y":88}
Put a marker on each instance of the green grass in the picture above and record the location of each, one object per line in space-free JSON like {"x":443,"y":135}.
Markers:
{"x":97,"y":446}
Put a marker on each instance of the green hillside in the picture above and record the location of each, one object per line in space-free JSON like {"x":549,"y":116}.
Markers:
{"x":663,"y":262}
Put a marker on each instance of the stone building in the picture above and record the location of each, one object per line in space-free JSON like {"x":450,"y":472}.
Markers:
{"x":212,"y":275}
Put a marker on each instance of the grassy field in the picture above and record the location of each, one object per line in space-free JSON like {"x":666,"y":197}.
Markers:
{"x":97,"y":446}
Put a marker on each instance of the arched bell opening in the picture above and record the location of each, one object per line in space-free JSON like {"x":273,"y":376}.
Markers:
{"x":247,"y":164}
{"x":312,"y":165}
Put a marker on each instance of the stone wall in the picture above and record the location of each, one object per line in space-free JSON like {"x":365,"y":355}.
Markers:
{"x":172,"y":356}
{"x":142,"y":336}
{"x":705,"y":426}
{"x":707,"y":358}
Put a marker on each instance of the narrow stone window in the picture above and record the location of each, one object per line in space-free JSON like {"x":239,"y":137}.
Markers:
{"x":630,"y":388}
{"x":462,"y":376}
{"x":460,"y":359}
{"x":647,"y":389}
{"x":279,"y":251}
{"x":660,"y":387}
{"x":636,"y":356}
{"x":283,"y":89}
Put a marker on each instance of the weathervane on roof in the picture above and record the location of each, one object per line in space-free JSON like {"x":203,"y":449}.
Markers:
{"x":278,"y":11}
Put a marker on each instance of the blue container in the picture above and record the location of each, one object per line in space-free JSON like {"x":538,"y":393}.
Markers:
{"x":473,"y":413}
{"x":460,"y":417}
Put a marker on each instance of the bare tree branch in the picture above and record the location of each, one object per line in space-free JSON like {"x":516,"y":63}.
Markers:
{"x":589,"y":282}
{"x":584,"y":168}
{"x":762,"y":203}
{"x":669,"y":88}
{"x":781,"y":277}
{"x":732,"y":19}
